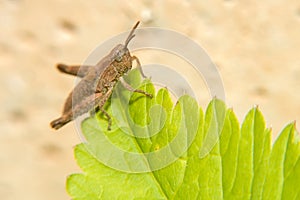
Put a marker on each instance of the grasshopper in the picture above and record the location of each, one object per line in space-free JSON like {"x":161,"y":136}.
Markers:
{"x":97,"y":83}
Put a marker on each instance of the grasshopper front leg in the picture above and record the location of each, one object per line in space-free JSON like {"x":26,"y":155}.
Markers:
{"x":128,"y":87}
{"x":139,"y":66}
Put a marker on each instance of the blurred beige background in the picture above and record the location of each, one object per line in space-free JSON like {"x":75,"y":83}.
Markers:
{"x":255,"y":45}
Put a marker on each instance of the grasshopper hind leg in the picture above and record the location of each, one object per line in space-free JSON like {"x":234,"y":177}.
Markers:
{"x":60,"y":122}
{"x":75,"y":70}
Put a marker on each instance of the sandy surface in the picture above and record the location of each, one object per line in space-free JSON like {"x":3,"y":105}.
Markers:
{"x":255,"y":45}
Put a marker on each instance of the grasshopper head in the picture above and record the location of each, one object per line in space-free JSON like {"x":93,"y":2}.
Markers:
{"x":121,"y":51}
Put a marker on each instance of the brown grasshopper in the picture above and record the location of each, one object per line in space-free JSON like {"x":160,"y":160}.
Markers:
{"x":97,"y":83}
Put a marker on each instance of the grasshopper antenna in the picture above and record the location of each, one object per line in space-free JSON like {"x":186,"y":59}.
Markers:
{"x":131,"y":35}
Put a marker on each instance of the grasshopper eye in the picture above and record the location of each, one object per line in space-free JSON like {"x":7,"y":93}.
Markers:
{"x":119,"y":56}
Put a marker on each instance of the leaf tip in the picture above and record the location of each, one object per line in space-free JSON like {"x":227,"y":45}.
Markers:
{"x":295,"y":125}
{"x":256,"y":106}
{"x":271,"y":128}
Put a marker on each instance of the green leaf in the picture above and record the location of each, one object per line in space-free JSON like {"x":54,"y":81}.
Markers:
{"x":158,"y":150}
{"x":284,"y":168}
{"x":82,"y":187}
